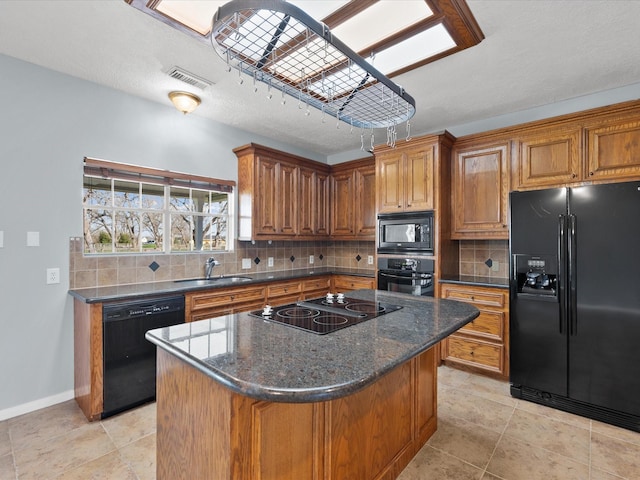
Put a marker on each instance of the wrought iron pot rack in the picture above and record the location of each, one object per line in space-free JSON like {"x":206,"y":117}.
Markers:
{"x":278,"y":44}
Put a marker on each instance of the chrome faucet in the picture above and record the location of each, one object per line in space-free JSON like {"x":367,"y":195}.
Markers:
{"x":208,"y":267}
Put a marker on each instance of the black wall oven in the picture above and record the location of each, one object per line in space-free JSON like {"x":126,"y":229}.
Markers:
{"x":406,"y":275}
{"x":406,"y":233}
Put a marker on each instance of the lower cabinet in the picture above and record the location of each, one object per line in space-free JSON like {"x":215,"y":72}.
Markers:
{"x":222,"y":301}
{"x":483,"y":344}
{"x":345,"y":283}
{"x":205,"y":304}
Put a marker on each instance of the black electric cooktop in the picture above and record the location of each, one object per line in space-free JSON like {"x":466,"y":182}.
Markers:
{"x":322,"y":315}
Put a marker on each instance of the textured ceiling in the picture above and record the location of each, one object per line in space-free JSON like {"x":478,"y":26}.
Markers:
{"x":534,"y":53}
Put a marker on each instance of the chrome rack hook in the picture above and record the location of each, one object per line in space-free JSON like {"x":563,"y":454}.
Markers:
{"x":240,"y":79}
{"x":408,"y":130}
{"x":255,"y":78}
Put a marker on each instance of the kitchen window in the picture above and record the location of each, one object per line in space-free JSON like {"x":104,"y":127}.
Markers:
{"x":132,"y":209}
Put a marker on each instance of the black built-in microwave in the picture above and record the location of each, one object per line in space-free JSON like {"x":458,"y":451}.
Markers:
{"x":409,"y":232}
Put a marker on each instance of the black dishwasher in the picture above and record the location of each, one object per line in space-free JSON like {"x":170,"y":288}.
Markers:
{"x":129,"y":360}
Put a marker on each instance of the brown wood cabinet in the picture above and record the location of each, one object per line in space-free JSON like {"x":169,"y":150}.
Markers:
{"x":613,"y":149}
{"x":483,"y":344}
{"x":353,"y":190}
{"x":480,"y":191}
{"x":316,"y":287}
{"x":345,"y":283}
{"x":207,"y":431}
{"x":223,"y":301}
{"x":405,"y":176}
{"x":203,"y":304}
{"x":281,"y":196}
{"x":547,"y":158}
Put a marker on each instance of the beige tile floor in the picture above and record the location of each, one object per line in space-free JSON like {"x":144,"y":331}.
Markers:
{"x":483,"y":434}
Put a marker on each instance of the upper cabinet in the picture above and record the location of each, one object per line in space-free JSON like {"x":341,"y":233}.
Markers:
{"x":280,"y":195}
{"x":613,"y":149}
{"x":353,"y":189}
{"x":480,"y":191}
{"x":595,"y":146}
{"x":546,"y":158}
{"x":406,"y":177}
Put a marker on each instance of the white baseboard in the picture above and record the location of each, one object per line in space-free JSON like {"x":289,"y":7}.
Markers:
{"x":36,"y":405}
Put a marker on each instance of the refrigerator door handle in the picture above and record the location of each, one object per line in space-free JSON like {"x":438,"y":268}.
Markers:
{"x":572,"y":248}
{"x":562,"y":274}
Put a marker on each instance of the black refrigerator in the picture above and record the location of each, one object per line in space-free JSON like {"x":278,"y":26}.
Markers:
{"x":575,"y":300}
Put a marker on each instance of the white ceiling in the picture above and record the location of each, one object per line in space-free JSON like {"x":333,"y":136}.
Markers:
{"x":536,"y":52}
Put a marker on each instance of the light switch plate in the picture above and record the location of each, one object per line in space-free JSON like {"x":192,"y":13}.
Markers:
{"x":369,"y":259}
{"x":33,"y":239}
{"x":495,"y":266}
{"x":311,"y":260}
{"x":246,"y":263}
{"x":270,"y":262}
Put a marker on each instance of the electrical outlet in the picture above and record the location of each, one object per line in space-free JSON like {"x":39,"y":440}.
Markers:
{"x":369,"y":259}
{"x":495,"y":266}
{"x":53,"y":275}
{"x":311,"y":260}
{"x":246,"y":263}
{"x":270,"y":262}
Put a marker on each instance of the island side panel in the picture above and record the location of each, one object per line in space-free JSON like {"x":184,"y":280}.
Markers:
{"x":375,"y":433}
{"x":193,"y":423}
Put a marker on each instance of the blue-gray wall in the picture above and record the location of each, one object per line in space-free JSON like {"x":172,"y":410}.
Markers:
{"x":49,"y":122}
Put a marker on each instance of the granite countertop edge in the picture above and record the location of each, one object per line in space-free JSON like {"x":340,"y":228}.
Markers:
{"x":168,"y":287}
{"x":450,"y":316}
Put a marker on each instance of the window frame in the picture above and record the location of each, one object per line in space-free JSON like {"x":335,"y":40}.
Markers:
{"x":169,"y":181}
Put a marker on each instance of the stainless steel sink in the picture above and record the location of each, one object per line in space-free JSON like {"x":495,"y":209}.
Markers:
{"x":214,"y":280}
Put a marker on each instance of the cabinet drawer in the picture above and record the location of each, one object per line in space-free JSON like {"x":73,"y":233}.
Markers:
{"x":486,"y":297}
{"x":346,"y":283}
{"x":219,"y":298}
{"x":284,"y":288}
{"x":475,"y":352}
{"x":316,"y":284}
{"x":489,"y":324}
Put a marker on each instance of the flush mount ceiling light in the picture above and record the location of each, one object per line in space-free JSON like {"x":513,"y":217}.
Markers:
{"x":276,"y":43}
{"x":184,"y":101}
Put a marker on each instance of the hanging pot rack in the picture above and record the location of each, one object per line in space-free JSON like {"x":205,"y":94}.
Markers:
{"x":278,"y":44}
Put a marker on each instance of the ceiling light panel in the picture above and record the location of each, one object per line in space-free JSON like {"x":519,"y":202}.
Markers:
{"x":319,"y":9}
{"x":426,"y":44}
{"x":379,"y":21}
{"x":195,"y":14}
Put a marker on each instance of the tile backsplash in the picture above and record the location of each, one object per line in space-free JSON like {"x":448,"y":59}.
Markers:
{"x":87,"y":271}
{"x":484,"y":258}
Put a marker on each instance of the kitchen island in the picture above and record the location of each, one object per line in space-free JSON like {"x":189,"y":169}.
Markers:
{"x":239,"y":397}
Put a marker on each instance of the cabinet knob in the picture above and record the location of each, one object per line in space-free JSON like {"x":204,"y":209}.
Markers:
{"x":408,"y":204}
{"x":591,"y":173}
{"x":472,"y":297}
{"x":573,"y":175}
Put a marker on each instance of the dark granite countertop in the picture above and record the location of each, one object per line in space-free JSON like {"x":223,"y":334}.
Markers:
{"x":275,"y":362}
{"x":132,"y":291}
{"x":476,"y":280}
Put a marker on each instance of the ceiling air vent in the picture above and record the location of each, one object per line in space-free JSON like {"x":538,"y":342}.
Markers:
{"x":187,"y":77}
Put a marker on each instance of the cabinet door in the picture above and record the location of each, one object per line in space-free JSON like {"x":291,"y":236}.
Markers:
{"x":365,"y":202}
{"x":265,"y":207}
{"x":287,"y":199}
{"x":321,"y":204}
{"x":342,"y":193}
{"x":480,"y":193}
{"x":307,"y":201}
{"x":418,"y":179}
{"x":547,"y":159}
{"x":613,"y":151}
{"x":390,"y":182}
